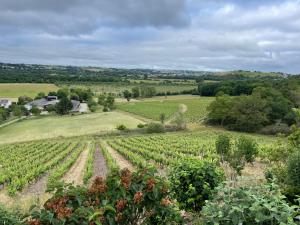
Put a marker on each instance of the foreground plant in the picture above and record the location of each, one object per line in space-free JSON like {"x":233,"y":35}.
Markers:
{"x":123,"y":198}
{"x":248,"y":206}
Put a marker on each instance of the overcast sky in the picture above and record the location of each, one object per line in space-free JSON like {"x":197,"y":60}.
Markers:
{"x":164,"y":34}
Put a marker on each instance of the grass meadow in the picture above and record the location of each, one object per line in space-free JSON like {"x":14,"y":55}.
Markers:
{"x":196,"y":107}
{"x":65,"y":126}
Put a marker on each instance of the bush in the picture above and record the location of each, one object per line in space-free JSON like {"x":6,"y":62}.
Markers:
{"x":293,"y":169}
{"x":155,"y":128}
{"x":121,"y":127}
{"x":123,"y":198}
{"x":278,"y":128}
{"x":246,"y":205}
{"x":223,"y":145}
{"x":9,"y":218}
{"x":140,"y":125}
{"x":248,"y":147}
{"x":193,"y":182}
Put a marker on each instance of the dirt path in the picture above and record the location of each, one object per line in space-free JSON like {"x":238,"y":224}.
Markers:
{"x":182,"y":109}
{"x":100,"y":168}
{"x":37,"y":188}
{"x":75,"y":175}
{"x":121,"y":161}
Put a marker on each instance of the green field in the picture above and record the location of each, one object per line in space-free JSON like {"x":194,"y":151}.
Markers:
{"x":16,"y":90}
{"x":118,"y":88}
{"x":196,"y":108}
{"x":66,"y":126}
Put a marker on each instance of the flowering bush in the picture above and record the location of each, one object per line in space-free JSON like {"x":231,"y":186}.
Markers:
{"x":123,"y":198}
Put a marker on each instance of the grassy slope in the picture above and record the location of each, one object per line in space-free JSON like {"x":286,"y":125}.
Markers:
{"x":16,"y":90}
{"x":56,"y":126}
{"x":196,"y":107}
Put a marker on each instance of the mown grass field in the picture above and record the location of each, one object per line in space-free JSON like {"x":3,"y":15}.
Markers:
{"x":196,"y":108}
{"x":66,"y":126}
{"x":31,"y":90}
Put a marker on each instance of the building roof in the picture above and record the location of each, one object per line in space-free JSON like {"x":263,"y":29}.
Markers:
{"x":4,"y":101}
{"x":42,"y":102}
{"x":76,"y":106}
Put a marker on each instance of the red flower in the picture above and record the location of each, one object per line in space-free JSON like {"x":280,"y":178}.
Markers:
{"x":138,"y":197}
{"x":150,"y":184}
{"x":121,"y":204}
{"x":126,"y":178}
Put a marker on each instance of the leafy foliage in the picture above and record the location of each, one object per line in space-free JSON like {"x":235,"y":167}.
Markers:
{"x":293,"y":169}
{"x":155,"y":128}
{"x":223,"y":145}
{"x":123,"y":198}
{"x":248,"y":148}
{"x":193,"y":182}
{"x":249,"y":205}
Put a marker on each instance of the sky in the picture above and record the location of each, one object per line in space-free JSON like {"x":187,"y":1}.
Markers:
{"x":209,"y":35}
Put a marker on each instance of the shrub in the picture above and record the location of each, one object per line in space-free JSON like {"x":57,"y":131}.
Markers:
{"x":9,"y":218}
{"x":278,"y":128}
{"x":121,"y":127}
{"x":293,"y":169}
{"x":223,"y":145}
{"x":123,"y":198}
{"x":140,"y":125}
{"x":248,"y":147}
{"x":248,"y":205}
{"x":193,"y":182}
{"x":155,"y":128}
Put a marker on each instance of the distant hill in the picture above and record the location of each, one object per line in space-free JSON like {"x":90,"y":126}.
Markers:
{"x":30,"y":73}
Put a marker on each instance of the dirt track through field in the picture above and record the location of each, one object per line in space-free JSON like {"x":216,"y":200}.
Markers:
{"x":182,"y":109}
{"x":121,"y":161}
{"x":100,"y":168}
{"x":75,"y":174}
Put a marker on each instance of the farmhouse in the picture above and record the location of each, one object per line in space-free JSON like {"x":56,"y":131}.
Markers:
{"x":41,"y":104}
{"x":5,"y":103}
{"x":44,"y":103}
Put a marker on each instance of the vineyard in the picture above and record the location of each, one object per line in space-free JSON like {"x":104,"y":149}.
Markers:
{"x":196,"y":108}
{"x":162,"y":151}
{"x":24,"y":163}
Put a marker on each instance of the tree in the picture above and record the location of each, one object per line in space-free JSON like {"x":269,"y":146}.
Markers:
{"x":64,"y":106}
{"x":102,"y":100}
{"x":40,"y":95}
{"x":52,"y":93}
{"x":127,"y":95}
{"x":35,"y":110}
{"x":135,"y":92}
{"x":62,"y":93}
{"x":22,"y":100}
{"x":110,"y":101}
{"x":223,"y":146}
{"x":162,"y":118}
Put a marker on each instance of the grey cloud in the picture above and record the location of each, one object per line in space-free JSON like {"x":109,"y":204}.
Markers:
{"x":80,"y":16}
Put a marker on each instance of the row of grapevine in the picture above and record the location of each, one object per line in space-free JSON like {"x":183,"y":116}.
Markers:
{"x":110,"y":161}
{"x":89,"y":165}
{"x":63,"y":167}
{"x":23,"y":163}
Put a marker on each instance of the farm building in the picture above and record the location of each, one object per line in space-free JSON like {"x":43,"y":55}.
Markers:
{"x":44,"y":103}
{"x":5,"y":103}
{"x":41,"y":104}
